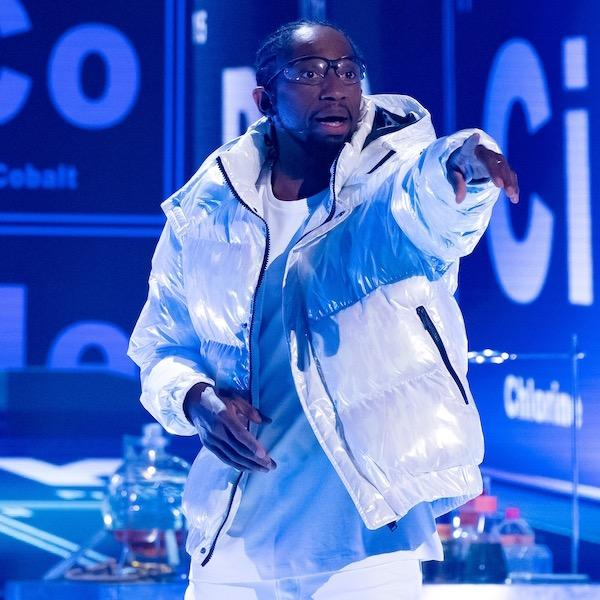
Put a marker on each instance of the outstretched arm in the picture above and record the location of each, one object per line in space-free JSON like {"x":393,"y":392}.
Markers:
{"x":445,"y":189}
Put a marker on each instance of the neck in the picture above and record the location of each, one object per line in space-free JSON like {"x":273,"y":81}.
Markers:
{"x":301,"y":169}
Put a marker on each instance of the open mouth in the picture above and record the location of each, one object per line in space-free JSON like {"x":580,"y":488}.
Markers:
{"x":332,"y":121}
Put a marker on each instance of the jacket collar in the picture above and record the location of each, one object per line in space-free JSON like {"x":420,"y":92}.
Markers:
{"x":244,"y":157}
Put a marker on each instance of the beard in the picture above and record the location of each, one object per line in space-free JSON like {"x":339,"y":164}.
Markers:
{"x":320,"y":149}
{"x":325,"y":149}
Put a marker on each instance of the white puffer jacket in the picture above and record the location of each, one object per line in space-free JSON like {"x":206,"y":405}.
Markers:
{"x":377,"y":342}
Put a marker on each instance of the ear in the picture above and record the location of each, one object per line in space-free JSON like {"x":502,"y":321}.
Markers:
{"x":263,"y":100}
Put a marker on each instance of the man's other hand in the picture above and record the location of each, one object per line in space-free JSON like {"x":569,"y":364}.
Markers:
{"x":221,"y":421}
{"x":472,"y":162}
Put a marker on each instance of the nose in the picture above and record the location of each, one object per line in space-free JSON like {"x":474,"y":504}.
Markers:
{"x":332,"y":87}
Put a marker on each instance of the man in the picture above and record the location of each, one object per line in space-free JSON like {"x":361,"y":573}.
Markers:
{"x":301,"y":320}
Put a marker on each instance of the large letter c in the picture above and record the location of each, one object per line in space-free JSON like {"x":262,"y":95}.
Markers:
{"x":517,"y":75}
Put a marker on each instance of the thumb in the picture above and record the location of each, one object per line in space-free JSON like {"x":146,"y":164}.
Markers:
{"x":470,"y":144}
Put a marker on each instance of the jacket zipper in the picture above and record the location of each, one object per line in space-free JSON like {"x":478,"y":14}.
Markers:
{"x":333,"y":198}
{"x":437,"y":340}
{"x":382,"y":161}
{"x":333,"y":201}
{"x":229,"y":505}
{"x":263,"y":268}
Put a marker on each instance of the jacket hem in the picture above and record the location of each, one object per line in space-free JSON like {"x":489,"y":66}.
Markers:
{"x":453,"y":486}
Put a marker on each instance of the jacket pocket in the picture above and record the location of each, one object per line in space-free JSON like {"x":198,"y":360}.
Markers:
{"x":430,"y":328}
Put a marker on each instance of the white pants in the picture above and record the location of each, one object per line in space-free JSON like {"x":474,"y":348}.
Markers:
{"x":397,"y":580}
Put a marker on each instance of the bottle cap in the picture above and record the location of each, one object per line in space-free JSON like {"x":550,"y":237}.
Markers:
{"x":444,"y":531}
{"x":512,"y":512}
{"x":153,"y":436}
{"x":481,"y":504}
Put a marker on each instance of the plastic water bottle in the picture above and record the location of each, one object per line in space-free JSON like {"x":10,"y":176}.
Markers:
{"x":522,"y":554}
{"x":514,"y":530}
{"x":480,"y":550}
{"x":142,"y":505}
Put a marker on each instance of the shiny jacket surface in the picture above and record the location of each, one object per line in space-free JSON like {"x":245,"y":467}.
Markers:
{"x":377,"y":343}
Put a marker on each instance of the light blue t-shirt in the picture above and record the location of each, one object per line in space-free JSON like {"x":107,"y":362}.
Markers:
{"x":299,"y":519}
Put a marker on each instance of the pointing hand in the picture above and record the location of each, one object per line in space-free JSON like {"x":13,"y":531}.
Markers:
{"x":472,"y":162}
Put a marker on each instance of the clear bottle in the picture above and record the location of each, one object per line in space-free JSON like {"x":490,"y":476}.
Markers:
{"x":142,"y":504}
{"x":448,"y":570}
{"x":480,"y":549}
{"x":523,"y":555}
{"x":514,"y":530}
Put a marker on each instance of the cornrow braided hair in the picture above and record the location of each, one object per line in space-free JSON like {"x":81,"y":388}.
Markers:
{"x":279,"y":41}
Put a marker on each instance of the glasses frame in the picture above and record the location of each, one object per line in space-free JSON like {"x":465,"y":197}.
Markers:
{"x":331,"y":64}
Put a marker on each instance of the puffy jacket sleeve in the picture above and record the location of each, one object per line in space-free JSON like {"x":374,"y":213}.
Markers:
{"x":164,"y":343}
{"x":423,"y":201}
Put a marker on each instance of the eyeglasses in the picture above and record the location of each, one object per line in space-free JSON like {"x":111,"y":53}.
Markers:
{"x":312,"y":70}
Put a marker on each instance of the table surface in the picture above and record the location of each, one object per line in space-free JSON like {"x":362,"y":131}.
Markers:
{"x":65,"y":590}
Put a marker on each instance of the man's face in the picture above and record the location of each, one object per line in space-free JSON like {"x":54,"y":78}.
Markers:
{"x":323,"y":114}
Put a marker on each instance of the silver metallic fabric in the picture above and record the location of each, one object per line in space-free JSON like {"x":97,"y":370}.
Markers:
{"x":377,"y":342}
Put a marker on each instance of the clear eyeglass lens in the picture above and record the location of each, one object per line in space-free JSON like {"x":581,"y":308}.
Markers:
{"x":312,"y":71}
